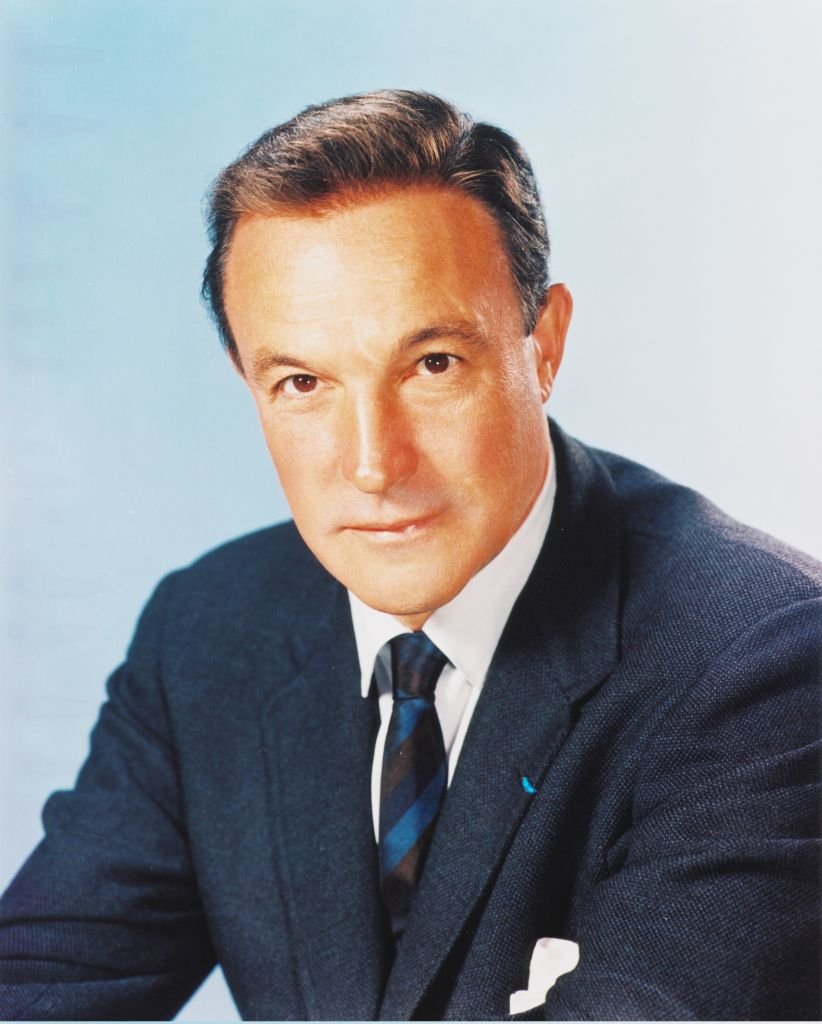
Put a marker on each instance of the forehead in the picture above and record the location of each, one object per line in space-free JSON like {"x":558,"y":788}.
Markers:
{"x":422,"y":246}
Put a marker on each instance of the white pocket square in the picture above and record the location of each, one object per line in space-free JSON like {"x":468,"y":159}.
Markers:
{"x":550,"y":959}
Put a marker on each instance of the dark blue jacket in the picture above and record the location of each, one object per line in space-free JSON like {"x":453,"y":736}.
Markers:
{"x":657,"y":684}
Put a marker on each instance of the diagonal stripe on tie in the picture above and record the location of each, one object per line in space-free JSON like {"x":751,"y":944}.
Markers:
{"x":413,"y":823}
{"x":424,"y":748}
{"x":404,"y":719}
{"x":414,"y":775}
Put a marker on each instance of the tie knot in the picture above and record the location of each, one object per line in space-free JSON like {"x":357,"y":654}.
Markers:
{"x":416,"y":663}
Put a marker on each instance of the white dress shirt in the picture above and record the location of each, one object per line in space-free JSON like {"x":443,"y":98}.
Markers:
{"x":466,"y":630}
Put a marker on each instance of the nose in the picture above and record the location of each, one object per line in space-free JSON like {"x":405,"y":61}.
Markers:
{"x":379,"y":450}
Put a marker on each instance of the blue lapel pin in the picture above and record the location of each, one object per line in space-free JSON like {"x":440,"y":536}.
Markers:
{"x":527,"y":785}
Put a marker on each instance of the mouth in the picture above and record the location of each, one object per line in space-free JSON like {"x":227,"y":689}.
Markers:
{"x":393,"y":529}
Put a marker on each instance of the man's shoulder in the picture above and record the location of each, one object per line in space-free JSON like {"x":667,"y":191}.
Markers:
{"x":233,"y":614}
{"x":690,"y":568}
{"x":272,"y":549}
{"x":676,"y":522}
{"x":270,"y":569}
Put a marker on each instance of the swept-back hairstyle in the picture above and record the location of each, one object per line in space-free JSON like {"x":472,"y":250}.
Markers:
{"x":333,"y":153}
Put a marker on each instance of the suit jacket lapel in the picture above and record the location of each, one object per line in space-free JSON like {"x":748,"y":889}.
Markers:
{"x":560,"y":642}
{"x":320,"y":733}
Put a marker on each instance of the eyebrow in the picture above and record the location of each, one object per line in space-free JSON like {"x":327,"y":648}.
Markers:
{"x":463,"y":329}
{"x":264,"y":362}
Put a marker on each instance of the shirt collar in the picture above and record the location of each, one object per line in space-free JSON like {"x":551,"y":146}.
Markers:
{"x":468,"y":628}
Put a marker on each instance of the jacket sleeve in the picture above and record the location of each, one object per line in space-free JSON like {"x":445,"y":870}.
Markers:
{"x":709,"y":905}
{"x":103,"y":920}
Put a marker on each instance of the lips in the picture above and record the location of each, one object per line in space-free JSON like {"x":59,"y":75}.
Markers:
{"x":395,"y":526}
{"x":400,"y":527}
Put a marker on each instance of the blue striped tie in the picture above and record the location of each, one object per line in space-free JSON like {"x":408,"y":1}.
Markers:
{"x":414,"y":772}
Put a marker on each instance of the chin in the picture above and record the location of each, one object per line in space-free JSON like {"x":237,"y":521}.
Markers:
{"x":401,"y":582}
{"x":399,"y":607}
{"x":404,"y":602}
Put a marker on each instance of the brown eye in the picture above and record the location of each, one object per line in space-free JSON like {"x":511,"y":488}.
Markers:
{"x":438,"y":362}
{"x":303,"y":383}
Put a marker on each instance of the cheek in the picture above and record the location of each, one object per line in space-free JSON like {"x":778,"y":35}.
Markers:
{"x":496,"y":437}
{"x":298,"y":459}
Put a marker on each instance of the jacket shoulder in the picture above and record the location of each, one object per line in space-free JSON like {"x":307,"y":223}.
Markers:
{"x":262,"y":550}
{"x":273,"y":560}
{"x":688,"y":564}
{"x":265,"y":583}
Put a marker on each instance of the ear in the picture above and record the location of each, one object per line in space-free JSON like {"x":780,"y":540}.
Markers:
{"x":548,"y":336}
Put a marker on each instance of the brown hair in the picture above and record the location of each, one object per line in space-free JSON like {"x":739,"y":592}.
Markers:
{"x":357,"y":145}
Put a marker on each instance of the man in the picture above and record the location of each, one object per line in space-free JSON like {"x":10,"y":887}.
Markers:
{"x":619,"y":752}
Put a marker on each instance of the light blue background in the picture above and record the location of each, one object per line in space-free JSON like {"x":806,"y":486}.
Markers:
{"x":678,"y":147}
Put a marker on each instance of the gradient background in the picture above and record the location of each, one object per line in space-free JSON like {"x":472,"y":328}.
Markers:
{"x":678,"y":148}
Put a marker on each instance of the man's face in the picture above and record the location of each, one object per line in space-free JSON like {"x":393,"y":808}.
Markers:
{"x":400,"y":399}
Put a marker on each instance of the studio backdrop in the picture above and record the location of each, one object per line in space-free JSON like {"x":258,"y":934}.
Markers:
{"x":678,"y":150}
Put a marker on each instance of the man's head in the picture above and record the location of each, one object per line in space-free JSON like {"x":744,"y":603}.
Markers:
{"x":330,"y":154}
{"x":397,"y":361}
